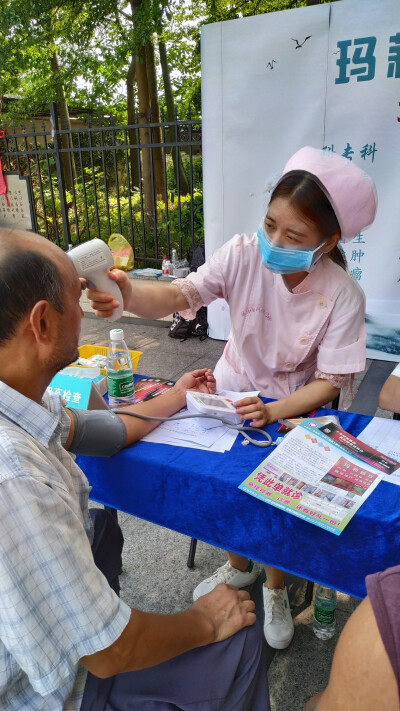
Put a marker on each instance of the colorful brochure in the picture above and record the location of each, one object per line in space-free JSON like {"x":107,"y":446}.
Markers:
{"x":146,"y":388}
{"x":319,"y":473}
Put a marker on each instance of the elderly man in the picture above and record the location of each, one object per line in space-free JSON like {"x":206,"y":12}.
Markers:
{"x":67,"y":641}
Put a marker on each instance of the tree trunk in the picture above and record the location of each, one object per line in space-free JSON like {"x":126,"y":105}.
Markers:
{"x":169,"y":101}
{"x":144,"y":108}
{"x":155,"y":118}
{"x":134,"y":155}
{"x":67,"y":159}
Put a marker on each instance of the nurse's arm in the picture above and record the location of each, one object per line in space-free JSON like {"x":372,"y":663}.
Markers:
{"x":309,"y":397}
{"x":145,"y":300}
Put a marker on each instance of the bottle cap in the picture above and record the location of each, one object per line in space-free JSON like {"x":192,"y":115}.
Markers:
{"x":117,"y":334}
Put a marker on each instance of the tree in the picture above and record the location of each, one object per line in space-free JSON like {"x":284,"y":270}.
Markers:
{"x":30,"y":57}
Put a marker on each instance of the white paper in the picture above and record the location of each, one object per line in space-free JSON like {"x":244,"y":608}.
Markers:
{"x":383,"y":434}
{"x":190,"y":433}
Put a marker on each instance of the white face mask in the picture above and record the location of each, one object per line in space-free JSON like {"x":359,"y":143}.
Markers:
{"x":283,"y":260}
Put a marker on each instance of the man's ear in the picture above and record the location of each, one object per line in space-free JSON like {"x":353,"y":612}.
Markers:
{"x":42,"y":322}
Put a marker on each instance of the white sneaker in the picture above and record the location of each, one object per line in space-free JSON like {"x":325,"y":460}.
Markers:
{"x":227,"y":574}
{"x":278,"y":623}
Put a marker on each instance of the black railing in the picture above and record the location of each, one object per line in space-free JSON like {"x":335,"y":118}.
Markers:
{"x":142,"y":180}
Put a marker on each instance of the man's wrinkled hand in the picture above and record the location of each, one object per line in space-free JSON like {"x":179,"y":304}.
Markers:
{"x":228,"y":609}
{"x":201,"y":380}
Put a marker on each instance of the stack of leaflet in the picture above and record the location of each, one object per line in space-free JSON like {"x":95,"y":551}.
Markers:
{"x":190,"y":432}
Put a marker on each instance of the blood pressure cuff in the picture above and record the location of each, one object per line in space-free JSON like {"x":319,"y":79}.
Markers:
{"x":98,"y":433}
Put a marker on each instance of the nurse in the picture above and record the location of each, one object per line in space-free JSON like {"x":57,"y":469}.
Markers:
{"x":297,"y":317}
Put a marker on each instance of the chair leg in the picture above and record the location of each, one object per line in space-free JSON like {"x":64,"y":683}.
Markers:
{"x":192,"y":552}
{"x":309,"y":592}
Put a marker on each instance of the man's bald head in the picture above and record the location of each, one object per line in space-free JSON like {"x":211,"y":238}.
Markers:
{"x":23,"y":240}
{"x":31,"y":270}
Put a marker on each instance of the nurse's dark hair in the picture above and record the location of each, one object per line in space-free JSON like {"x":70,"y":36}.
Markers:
{"x":26,"y":277}
{"x":304,"y":194}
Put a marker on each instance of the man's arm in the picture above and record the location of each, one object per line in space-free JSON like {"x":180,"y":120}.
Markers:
{"x":163,"y":405}
{"x":166,"y":404}
{"x":362,"y":678}
{"x":149,"y":639}
{"x":389,"y":396}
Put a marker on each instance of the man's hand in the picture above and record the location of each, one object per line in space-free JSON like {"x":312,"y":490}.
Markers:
{"x":201,"y":380}
{"x":150,"y":639}
{"x":254,"y":409}
{"x":103,"y":303}
{"x":228,"y":609}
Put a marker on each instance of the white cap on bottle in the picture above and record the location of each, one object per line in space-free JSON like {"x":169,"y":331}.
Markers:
{"x":117,"y":334}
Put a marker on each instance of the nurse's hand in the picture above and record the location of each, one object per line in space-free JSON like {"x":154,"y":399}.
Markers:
{"x":254,"y":409}
{"x":103,"y":302}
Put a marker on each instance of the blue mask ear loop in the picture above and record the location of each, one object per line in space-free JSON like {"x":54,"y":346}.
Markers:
{"x":315,"y":262}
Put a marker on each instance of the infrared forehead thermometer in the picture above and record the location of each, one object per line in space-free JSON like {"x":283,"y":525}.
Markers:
{"x":92,"y":260}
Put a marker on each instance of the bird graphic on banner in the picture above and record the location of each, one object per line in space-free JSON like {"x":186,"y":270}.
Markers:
{"x":298,"y":45}
{"x":271,"y":63}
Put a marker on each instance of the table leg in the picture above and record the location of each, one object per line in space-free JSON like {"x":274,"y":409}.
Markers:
{"x":192,"y":552}
{"x":309,"y":592}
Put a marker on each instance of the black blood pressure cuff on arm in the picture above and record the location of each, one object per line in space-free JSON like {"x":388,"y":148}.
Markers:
{"x":98,"y":433}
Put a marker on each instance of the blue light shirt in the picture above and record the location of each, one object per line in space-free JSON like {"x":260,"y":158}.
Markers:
{"x":55,"y":605}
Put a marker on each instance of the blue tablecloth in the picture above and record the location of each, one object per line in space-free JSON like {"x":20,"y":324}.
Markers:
{"x":196,"y":493}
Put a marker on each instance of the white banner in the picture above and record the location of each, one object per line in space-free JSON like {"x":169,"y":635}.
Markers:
{"x":326,"y":76}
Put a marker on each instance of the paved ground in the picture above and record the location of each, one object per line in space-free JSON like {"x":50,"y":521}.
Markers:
{"x":155,"y":576}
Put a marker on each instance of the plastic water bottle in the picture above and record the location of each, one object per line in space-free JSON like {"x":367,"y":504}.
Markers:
{"x":165,"y":265}
{"x":324,"y":621}
{"x":174,"y":261}
{"x":119,"y":371}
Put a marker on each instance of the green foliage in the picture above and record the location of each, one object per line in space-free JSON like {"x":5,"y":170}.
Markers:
{"x":95,"y":42}
{"x":197,"y":173}
{"x":96,"y":208}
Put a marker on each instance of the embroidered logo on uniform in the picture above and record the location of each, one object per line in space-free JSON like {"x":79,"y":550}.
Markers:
{"x":255,"y":309}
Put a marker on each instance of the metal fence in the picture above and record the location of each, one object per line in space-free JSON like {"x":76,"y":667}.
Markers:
{"x":143,"y":181}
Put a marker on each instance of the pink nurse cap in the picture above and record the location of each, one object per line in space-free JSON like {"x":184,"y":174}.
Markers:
{"x":350,"y":190}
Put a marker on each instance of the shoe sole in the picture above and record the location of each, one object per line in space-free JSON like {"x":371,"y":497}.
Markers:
{"x":282,"y":644}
